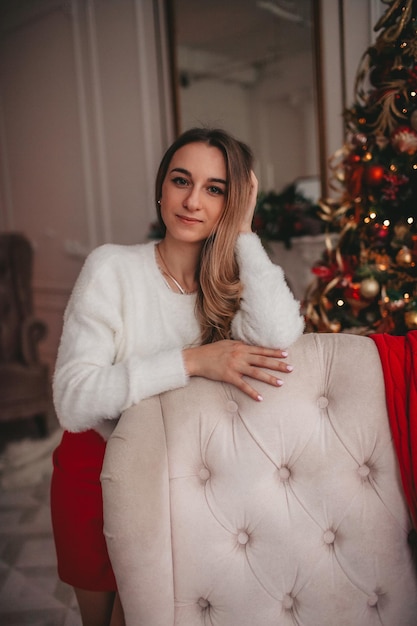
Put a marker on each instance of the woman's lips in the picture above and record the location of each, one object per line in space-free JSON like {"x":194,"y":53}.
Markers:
{"x":188,"y":220}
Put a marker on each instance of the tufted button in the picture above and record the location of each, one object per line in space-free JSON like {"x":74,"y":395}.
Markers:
{"x":243,"y":538}
{"x":329,"y":537}
{"x":204,"y":473}
{"x":287,"y":601}
{"x":364,"y":471}
{"x":323,"y":402}
{"x":284,"y":473}
{"x":232,"y":406}
{"x":203,"y":603}
{"x":372,"y":599}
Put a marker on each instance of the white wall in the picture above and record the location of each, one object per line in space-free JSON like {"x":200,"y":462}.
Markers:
{"x":84,"y":121}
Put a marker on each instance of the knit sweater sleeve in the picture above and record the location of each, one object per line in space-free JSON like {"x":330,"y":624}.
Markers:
{"x":91,"y":384}
{"x":269,"y":315}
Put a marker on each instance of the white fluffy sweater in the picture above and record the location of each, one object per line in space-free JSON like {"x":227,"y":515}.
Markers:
{"x":124,"y":330}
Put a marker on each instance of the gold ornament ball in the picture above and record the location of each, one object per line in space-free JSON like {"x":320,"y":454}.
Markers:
{"x":369,"y":288}
{"x":410,"y":318}
{"x":404,"y":257}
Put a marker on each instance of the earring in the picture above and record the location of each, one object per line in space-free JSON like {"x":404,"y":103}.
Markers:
{"x":159,"y":202}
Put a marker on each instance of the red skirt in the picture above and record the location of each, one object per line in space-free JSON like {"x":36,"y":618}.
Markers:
{"x":77,"y":512}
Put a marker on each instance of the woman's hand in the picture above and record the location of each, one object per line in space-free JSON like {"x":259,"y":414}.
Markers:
{"x":246,"y":226}
{"x":229,"y":361}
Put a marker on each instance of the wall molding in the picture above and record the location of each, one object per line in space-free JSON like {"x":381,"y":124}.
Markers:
{"x":144,"y":63}
{"x":166,"y":80}
{"x":98,"y":121}
{"x":85,"y":141}
{"x":92,"y":133}
{"x":6,"y":186}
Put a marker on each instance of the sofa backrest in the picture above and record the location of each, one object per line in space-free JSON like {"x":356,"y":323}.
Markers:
{"x":227,"y":512}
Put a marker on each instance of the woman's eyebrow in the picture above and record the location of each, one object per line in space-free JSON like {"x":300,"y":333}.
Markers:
{"x":182,"y":170}
{"x":217,"y":180}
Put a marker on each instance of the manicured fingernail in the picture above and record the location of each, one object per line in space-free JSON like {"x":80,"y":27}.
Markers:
{"x":290,"y":368}
{"x":284,"y":353}
{"x":279,"y":382}
{"x":259,"y":398}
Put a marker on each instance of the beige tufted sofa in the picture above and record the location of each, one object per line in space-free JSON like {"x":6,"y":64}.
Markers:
{"x":222,"y":511}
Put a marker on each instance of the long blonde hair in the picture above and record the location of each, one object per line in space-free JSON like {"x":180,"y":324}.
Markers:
{"x":219,"y":290}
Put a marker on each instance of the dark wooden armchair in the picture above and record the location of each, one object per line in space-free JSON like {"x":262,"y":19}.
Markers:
{"x":24,"y":381}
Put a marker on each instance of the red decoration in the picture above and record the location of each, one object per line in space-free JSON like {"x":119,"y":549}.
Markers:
{"x":381,"y":232}
{"x":354,"y":180}
{"x":374,"y":175}
{"x":353,"y":292}
{"x":322,"y":271}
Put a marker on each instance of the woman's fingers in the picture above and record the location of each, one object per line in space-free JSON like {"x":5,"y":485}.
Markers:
{"x":235,"y":362}
{"x":250,"y":391}
{"x":271,"y":364}
{"x":267,"y":358}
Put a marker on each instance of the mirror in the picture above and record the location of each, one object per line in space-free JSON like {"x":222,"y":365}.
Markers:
{"x":249,"y":66}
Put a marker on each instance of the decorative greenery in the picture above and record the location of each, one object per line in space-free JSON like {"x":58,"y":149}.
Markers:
{"x":155,"y":231}
{"x":282,"y":216}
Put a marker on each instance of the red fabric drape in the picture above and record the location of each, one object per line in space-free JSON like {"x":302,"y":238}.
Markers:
{"x":399,"y":363}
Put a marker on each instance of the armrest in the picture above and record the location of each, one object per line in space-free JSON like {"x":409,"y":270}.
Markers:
{"x":33,"y":330}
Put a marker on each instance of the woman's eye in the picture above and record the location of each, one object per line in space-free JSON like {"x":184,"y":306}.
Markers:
{"x":216,"y":190}
{"x":178,"y":180}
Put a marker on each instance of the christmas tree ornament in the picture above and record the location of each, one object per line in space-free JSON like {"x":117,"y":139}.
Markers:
{"x":369,"y":287}
{"x":360,"y":139}
{"x":401,"y":231}
{"x":404,"y":139}
{"x":410,"y":319}
{"x":404,"y":257}
{"x":335,"y":327}
{"x":374,"y":175}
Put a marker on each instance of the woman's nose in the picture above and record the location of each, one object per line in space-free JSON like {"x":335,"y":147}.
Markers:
{"x":193,"y":200}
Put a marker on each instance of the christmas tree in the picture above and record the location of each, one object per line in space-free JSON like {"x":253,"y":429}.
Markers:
{"x":367,"y":281}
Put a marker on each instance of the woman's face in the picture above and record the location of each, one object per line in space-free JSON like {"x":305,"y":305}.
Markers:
{"x":193,"y":192}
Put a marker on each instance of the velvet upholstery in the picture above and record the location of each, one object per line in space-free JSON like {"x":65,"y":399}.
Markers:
{"x":24,"y":381}
{"x":226,"y":512}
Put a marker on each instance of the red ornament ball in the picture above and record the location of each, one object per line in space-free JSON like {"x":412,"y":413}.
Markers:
{"x":374,"y":175}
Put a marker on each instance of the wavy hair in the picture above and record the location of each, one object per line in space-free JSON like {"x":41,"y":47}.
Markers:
{"x":219,"y":289}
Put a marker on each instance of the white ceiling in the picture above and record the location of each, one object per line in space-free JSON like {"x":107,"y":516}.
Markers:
{"x":246,"y":33}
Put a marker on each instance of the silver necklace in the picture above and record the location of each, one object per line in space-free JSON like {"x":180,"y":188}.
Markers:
{"x":165,"y":272}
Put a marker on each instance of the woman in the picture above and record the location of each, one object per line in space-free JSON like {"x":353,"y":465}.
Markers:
{"x":204,"y":301}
